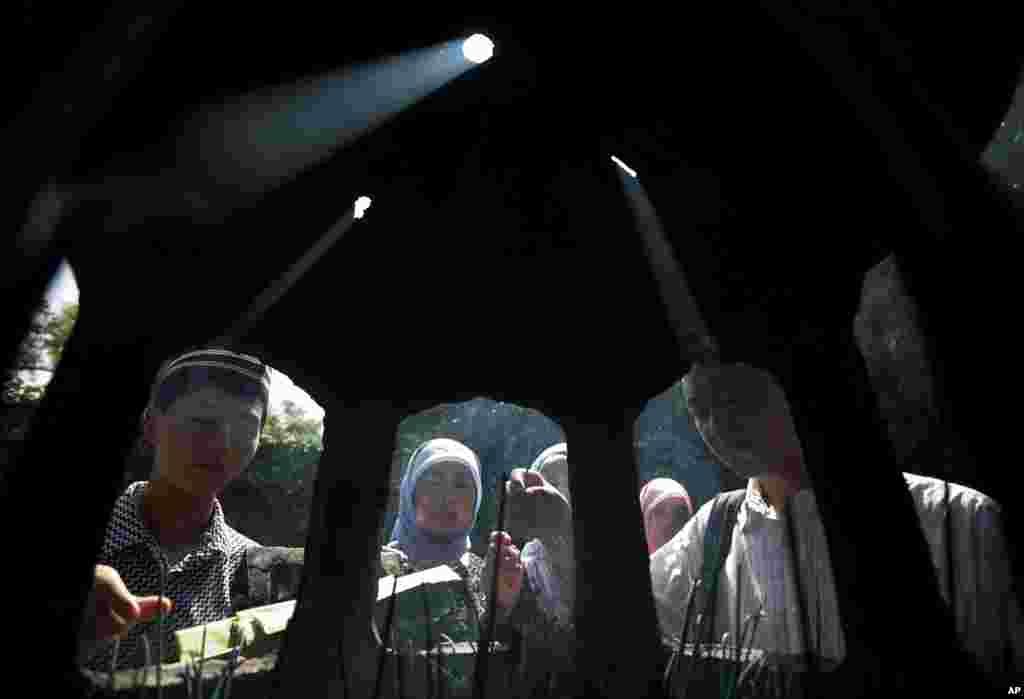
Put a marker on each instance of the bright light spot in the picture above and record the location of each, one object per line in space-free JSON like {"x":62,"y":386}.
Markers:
{"x":362,"y":204}
{"x":63,"y":288}
{"x":478,"y":48}
{"x":632,"y":172}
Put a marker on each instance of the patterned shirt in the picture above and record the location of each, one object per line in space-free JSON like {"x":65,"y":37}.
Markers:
{"x":759,"y":560}
{"x":198,"y":579}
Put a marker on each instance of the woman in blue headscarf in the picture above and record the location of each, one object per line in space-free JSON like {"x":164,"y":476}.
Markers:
{"x":439,"y":501}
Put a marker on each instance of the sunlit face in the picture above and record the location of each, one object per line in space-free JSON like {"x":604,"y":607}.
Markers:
{"x":666,"y":519}
{"x":444,"y":499}
{"x":205,"y":440}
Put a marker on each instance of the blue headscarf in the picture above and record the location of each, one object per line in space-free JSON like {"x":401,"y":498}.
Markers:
{"x":413,"y":541}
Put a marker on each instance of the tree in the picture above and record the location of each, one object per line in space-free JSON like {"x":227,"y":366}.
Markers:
{"x":290,"y":446}
{"x":292,"y":428}
{"x":40,"y":352}
{"x":57,"y":330}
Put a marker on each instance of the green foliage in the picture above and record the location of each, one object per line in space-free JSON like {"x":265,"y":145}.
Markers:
{"x":448,"y":614}
{"x":40,"y":351}
{"x":292,"y":428}
{"x":665,"y":471}
{"x":57,"y":329}
{"x":17,"y":390}
{"x":282,"y":463}
{"x":290,"y":447}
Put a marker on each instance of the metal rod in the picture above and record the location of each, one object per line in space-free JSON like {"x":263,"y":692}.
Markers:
{"x":428,"y":666}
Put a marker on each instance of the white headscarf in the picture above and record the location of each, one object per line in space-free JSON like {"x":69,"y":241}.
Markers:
{"x":550,"y":462}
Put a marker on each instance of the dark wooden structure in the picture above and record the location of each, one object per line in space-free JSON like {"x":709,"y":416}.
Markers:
{"x":786,"y":151}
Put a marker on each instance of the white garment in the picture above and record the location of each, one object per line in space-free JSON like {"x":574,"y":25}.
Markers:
{"x":987,"y":613}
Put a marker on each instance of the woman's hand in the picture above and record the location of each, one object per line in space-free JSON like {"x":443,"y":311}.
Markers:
{"x":536,"y":509}
{"x":510,"y":571}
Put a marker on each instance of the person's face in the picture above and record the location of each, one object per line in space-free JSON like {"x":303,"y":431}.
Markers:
{"x":744,"y":418}
{"x":205,"y":440}
{"x":444,"y":499}
{"x":667,"y":518}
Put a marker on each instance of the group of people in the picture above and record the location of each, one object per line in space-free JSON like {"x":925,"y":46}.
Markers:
{"x":203,"y":422}
{"x":204,"y":418}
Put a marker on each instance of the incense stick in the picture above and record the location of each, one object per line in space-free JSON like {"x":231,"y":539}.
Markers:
{"x":145,"y":667}
{"x":801,"y":596}
{"x":481,"y":670}
{"x":113,"y":662}
{"x":160,"y":628}
{"x":427,"y":665}
{"x":673,"y":663}
{"x":738,"y":640}
{"x":202,"y":660}
{"x":386,"y":640}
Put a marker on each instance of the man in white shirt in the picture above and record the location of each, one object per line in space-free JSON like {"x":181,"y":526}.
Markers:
{"x":744,"y":418}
